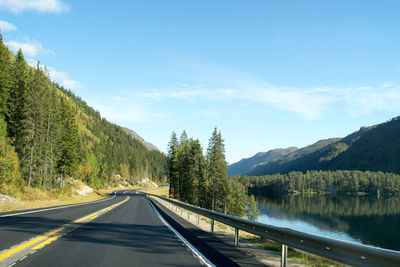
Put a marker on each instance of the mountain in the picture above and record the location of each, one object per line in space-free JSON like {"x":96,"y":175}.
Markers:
{"x":149,"y":146}
{"x":47,"y":134}
{"x":245,"y":165}
{"x":374,"y":148}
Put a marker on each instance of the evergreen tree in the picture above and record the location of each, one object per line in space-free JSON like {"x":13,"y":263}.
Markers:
{"x":172,"y":165}
{"x":203,"y":181}
{"x":9,"y":165}
{"x":198,"y":171}
{"x":217,"y":172}
{"x":16,"y":103}
{"x":33,"y":128}
{"x":50,"y":144}
{"x":183,"y":172}
{"x":5,"y":78}
{"x":67,"y":140}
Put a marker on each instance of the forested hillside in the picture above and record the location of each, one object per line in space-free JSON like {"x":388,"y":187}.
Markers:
{"x":331,"y":182}
{"x":299,"y":158}
{"x":136,"y":136}
{"x":375,"y":148}
{"x":245,"y":165}
{"x":47,"y":134}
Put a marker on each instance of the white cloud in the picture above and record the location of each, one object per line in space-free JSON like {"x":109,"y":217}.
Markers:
{"x":30,"y":48}
{"x":60,"y":77}
{"x":41,"y":6}
{"x":6,"y":26}
{"x":63,"y":79}
{"x":32,"y":62}
{"x":308,"y":103}
{"x":124,"y":110}
{"x":360,"y":102}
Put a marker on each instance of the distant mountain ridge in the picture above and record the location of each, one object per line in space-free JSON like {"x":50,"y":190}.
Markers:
{"x":245,"y":165}
{"x":148,"y":145}
{"x":374,"y":148}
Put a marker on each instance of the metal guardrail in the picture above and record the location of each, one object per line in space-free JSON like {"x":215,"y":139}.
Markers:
{"x":337,"y":250}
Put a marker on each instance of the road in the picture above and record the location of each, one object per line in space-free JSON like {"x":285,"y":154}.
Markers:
{"x":123,"y":230}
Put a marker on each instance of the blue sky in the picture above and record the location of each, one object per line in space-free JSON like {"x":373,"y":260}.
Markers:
{"x":268,"y":74}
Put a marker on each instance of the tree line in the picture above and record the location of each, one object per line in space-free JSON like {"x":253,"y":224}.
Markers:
{"x":333,"y":206}
{"x":336,"y":182}
{"x":202,"y":180}
{"x":47,"y":134}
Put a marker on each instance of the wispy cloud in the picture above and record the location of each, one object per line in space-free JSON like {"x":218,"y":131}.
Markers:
{"x":30,"y":48}
{"x":382,"y":97}
{"x":308,"y":103}
{"x":7,"y":26}
{"x":41,"y":6}
{"x":124,"y":109}
{"x":64,"y":79}
{"x":60,"y":77}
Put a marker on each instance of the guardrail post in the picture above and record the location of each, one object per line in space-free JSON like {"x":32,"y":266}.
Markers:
{"x":236,"y":237}
{"x":284,"y":255}
{"x":181,"y":211}
{"x":198,"y":219}
{"x":188,"y":215}
{"x":212,"y":225}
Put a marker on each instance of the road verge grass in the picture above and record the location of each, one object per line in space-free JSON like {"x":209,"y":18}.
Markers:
{"x":164,"y":191}
{"x":32,"y":198}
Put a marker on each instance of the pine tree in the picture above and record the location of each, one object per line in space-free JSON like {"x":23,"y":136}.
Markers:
{"x":172,"y":165}
{"x":17,"y":101}
{"x":50,"y":137}
{"x":68,"y":141}
{"x":9,"y":164}
{"x":183,"y":170}
{"x":5,"y":78}
{"x":33,"y":128}
{"x":197,"y":170}
{"x":217,"y":172}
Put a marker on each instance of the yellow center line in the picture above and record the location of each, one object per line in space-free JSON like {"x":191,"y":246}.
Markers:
{"x":94,"y":215}
{"x":103,"y":210}
{"x":28,"y":244}
{"x":46,"y":242}
{"x":55,"y":231}
{"x":49,"y":240}
{"x":83,"y":218}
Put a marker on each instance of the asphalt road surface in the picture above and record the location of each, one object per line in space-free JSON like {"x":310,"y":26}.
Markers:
{"x":123,"y":230}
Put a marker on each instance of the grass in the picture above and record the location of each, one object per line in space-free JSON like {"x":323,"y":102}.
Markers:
{"x":32,"y":198}
{"x":294,"y":254}
{"x":164,"y":192}
{"x":49,"y":202}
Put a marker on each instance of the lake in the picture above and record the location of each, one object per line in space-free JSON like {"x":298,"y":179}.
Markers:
{"x":361,"y":219}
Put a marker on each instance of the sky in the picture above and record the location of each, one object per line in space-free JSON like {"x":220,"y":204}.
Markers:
{"x":268,"y":74}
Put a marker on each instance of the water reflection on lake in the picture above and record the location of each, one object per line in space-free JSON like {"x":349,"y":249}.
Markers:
{"x":361,"y":219}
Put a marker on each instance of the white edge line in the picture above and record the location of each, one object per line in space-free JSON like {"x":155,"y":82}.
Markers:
{"x":56,"y":208}
{"x":194,"y":250}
